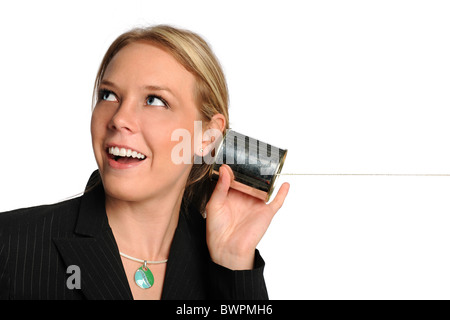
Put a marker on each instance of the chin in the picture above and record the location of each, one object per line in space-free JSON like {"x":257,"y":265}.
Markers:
{"x":139,"y":184}
{"x":124,"y":190}
{"x":134,"y":188}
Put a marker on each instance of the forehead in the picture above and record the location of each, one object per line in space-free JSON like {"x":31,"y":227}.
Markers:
{"x":144,"y":64}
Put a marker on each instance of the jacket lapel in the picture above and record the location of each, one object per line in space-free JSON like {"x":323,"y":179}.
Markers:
{"x":102,"y":275}
{"x":186,"y":271}
{"x":94,"y":250}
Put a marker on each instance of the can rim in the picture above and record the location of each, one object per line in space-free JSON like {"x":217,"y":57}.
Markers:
{"x":277,"y":171}
{"x":211,"y":169}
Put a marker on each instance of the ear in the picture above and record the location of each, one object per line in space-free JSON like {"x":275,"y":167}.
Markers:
{"x":212,"y":133}
{"x":217,"y":122}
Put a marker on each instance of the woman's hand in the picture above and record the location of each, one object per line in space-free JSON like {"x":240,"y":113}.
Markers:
{"x":236,"y":222}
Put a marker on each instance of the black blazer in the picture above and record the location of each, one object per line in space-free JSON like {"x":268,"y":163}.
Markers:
{"x":38,"y":244}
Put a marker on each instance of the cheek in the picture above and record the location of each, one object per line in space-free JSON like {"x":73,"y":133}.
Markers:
{"x":96,"y":120}
{"x":100,"y":119}
{"x":98,"y":130}
{"x":176,"y":141}
{"x":163,"y":144}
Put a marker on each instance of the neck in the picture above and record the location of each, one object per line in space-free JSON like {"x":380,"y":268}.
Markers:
{"x":144,"y":229}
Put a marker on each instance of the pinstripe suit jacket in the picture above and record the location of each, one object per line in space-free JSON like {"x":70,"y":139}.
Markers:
{"x":38,"y":244}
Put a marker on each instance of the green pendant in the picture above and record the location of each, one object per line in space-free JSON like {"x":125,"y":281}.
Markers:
{"x":144,"y":277}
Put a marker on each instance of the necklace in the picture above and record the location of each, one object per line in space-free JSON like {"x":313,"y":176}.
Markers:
{"x":143,"y":277}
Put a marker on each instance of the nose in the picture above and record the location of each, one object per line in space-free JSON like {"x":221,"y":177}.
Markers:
{"x":125,"y":118}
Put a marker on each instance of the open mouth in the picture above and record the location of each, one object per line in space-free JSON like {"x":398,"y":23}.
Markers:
{"x":125,"y":156}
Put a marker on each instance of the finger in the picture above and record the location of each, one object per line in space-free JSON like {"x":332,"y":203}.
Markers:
{"x":278,"y":201}
{"x":223,"y":185}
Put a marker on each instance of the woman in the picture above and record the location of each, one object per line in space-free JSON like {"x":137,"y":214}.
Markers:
{"x":138,"y":232}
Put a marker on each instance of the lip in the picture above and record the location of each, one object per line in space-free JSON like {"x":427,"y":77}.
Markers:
{"x":117,"y":165}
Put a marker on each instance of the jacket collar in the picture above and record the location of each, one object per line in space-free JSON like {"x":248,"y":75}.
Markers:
{"x":186,"y":272}
{"x":92,"y":218}
{"x":94,"y":250}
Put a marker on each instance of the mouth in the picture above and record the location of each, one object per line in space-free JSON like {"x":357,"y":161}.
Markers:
{"x":124,"y":156}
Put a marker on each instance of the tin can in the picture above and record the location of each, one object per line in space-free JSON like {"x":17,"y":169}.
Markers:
{"x":255,"y":164}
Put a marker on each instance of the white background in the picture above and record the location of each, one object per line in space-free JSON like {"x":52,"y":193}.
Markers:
{"x":346,"y":86}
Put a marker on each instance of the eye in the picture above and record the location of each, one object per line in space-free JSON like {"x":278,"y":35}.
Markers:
{"x":153,"y":100}
{"x":107,"y":95}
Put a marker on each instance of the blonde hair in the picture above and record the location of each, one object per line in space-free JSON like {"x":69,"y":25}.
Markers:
{"x":211,"y":92}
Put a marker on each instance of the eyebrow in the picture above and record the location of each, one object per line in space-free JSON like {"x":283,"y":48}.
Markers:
{"x":158,"y":88}
{"x":149,"y":87}
{"x":107,"y":83}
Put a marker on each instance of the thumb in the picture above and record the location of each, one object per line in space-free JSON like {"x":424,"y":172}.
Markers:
{"x":220,"y":192}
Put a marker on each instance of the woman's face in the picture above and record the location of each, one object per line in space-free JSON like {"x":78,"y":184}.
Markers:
{"x":144,"y":96}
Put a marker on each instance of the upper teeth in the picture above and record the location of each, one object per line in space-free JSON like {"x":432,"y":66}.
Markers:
{"x":125,"y":152}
